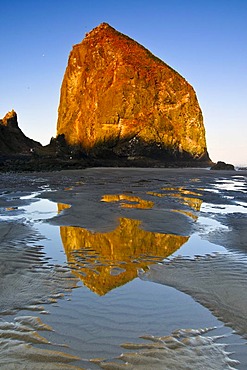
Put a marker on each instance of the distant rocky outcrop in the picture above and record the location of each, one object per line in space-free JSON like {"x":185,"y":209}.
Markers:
{"x":119,"y":100}
{"x":12,"y":139}
{"x":223,"y":166}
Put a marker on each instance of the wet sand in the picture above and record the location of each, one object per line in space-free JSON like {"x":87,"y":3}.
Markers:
{"x":216,"y":281}
{"x":123,"y":236}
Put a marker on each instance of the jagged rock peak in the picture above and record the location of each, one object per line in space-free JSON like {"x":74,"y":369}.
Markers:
{"x":12,"y":139}
{"x":10,"y":119}
{"x":102,"y":28}
{"x":99,"y":28}
{"x":110,"y":34}
{"x":117,"y":96}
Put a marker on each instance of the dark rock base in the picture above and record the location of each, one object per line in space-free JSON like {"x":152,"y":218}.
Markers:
{"x":29,"y":163}
{"x":223,"y":166}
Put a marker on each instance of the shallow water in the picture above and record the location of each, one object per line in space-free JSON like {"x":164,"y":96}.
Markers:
{"x":148,"y":265}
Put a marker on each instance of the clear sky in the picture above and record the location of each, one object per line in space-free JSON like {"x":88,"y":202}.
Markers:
{"x":204,"y":40}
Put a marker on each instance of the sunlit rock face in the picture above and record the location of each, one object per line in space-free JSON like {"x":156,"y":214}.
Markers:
{"x":117,"y":96}
{"x":12,"y":139}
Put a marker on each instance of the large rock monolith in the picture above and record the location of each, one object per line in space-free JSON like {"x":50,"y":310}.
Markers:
{"x":118,"y":98}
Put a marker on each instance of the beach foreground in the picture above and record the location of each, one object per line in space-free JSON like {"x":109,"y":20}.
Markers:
{"x":123,"y":268}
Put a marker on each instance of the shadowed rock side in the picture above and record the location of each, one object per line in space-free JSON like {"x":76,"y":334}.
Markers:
{"x":223,"y":166}
{"x":12,"y":139}
{"x":104,"y":261}
{"x":118,"y":99}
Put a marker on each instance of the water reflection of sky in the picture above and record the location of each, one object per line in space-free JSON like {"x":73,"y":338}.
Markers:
{"x":240,"y":207}
{"x":237,"y":183}
{"x":41,"y":210}
{"x":196,"y":246}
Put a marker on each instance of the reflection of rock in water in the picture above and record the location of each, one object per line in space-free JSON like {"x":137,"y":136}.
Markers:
{"x":128,"y":201}
{"x":183,"y":349}
{"x":104,"y":261}
{"x":217,"y":282}
{"x":186,"y":197}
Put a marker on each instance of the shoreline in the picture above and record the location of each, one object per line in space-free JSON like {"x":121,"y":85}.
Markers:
{"x":29,"y":163}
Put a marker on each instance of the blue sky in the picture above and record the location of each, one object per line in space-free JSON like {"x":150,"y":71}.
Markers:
{"x":204,"y":40}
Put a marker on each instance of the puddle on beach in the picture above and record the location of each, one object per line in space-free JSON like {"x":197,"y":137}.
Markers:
{"x":125,"y":297}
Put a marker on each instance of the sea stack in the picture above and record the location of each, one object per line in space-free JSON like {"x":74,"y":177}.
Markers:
{"x":118,"y":98}
{"x":12,"y":139}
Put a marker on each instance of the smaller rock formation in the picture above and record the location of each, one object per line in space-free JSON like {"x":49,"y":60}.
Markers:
{"x":223,"y":166}
{"x":12,"y":139}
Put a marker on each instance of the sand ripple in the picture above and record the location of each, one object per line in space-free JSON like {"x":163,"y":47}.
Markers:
{"x":182,"y":347}
{"x":17,"y":350}
{"x":26,"y":278}
{"x":218,"y":282}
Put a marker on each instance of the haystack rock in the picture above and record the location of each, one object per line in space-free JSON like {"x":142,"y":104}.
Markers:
{"x":12,"y":139}
{"x":118,"y":98}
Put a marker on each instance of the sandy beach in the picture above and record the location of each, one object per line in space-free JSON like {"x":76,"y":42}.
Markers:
{"x":123,"y":268}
